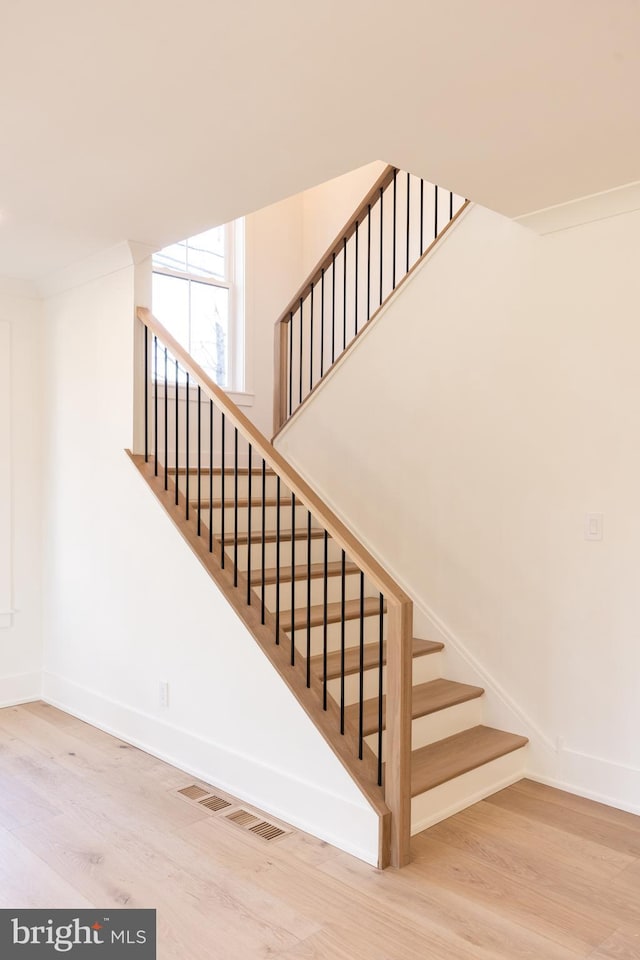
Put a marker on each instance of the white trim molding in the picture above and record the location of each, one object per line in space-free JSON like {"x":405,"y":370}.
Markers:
{"x":597,"y":206}
{"x":20,"y":688}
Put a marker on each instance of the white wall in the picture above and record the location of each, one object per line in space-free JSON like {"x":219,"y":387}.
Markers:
{"x":327,"y":208}
{"x":20,"y":493}
{"x":274,"y":269}
{"x":127,"y":605}
{"x":493,"y":405}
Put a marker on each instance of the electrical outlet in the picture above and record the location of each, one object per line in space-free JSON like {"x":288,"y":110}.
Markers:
{"x":164,"y":694}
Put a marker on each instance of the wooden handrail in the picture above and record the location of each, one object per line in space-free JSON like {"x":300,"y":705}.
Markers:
{"x":332,"y":524}
{"x":346,"y":233}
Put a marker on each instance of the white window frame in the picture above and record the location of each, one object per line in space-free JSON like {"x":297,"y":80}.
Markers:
{"x":233,"y":281}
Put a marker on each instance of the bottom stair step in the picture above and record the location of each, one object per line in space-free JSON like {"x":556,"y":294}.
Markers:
{"x":442,"y":761}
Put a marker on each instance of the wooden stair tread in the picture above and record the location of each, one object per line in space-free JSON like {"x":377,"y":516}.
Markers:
{"x":426,"y":698}
{"x":242,"y":502}
{"x":204,"y":471}
{"x":334,"y":569}
{"x":442,"y":761}
{"x":371,"y":607}
{"x":270,"y":536}
{"x":419,"y":648}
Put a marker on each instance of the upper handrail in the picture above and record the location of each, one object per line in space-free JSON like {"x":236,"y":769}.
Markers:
{"x":346,"y":233}
{"x":332,"y":524}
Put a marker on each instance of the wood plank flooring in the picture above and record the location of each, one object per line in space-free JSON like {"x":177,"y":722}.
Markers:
{"x":529,"y":874}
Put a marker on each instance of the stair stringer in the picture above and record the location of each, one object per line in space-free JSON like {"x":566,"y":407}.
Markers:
{"x":362,"y":772}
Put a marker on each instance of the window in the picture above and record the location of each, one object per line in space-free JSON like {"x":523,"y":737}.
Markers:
{"x":197,"y":295}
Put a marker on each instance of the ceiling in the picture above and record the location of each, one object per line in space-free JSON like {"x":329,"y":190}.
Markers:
{"x":148,"y":120}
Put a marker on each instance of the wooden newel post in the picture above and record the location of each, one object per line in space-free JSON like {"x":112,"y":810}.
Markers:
{"x":397,"y":777}
{"x":280,"y":375}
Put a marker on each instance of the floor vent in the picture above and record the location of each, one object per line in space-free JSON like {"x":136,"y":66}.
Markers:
{"x":251,"y":822}
{"x":242,"y":818}
{"x":261,"y":828}
{"x":193,"y":792}
{"x":214,"y":803}
{"x":266,"y":830}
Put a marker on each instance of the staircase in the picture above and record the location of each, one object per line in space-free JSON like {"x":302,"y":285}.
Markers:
{"x":332,"y":621}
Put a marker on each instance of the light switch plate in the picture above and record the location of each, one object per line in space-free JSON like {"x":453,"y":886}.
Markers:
{"x":593,"y":526}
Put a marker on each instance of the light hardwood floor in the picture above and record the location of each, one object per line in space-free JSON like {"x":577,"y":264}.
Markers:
{"x":530,"y":874}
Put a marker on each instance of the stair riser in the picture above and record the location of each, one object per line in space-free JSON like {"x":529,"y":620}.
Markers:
{"x":427,"y":668}
{"x":451,"y":797}
{"x":437,"y":726}
{"x":352,"y":635}
{"x":334,"y":592}
{"x":422,"y":672}
{"x":243,"y":486}
{"x":317,"y":553}
{"x":352,"y":686}
{"x":270,"y":524}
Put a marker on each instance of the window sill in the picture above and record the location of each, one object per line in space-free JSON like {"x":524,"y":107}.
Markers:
{"x":240,"y":397}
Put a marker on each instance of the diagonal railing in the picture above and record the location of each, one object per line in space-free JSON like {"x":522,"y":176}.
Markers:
{"x":393,"y":229}
{"x":330,"y":618}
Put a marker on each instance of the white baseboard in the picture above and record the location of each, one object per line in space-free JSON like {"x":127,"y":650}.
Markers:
{"x":20,"y":688}
{"x":278,"y":792}
{"x":595,"y":778}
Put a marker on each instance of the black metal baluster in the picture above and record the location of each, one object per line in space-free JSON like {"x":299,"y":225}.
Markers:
{"x":210,"y":476}
{"x":155,"y":404}
{"x":166,"y":422}
{"x":342,"y":640}
{"x":308,"y":598}
{"x":421,"y":216}
{"x":290,"y":363}
{"x":450,"y":204}
{"x":333,"y":307}
{"x":199,"y":459}
{"x":262,"y":540}
{"x":311,"y":343}
{"x":361,"y":678}
{"x":381,"y":240}
{"x":277,"y":561}
{"x":177,"y":431}
{"x":368,"y":314}
{"x":408,"y":215}
{"x":355,"y":308}
{"x":222,"y":490}
{"x":324,"y":621}
{"x":322,"y":323}
{"x":344,"y":295}
{"x":186,"y":413}
{"x":435,"y":216}
{"x":146,"y":394}
{"x":293,"y":577}
{"x":395,"y":225}
{"x":235,"y":507}
{"x":300,"y":350}
{"x":249,"y":509}
{"x":380,"y":688}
